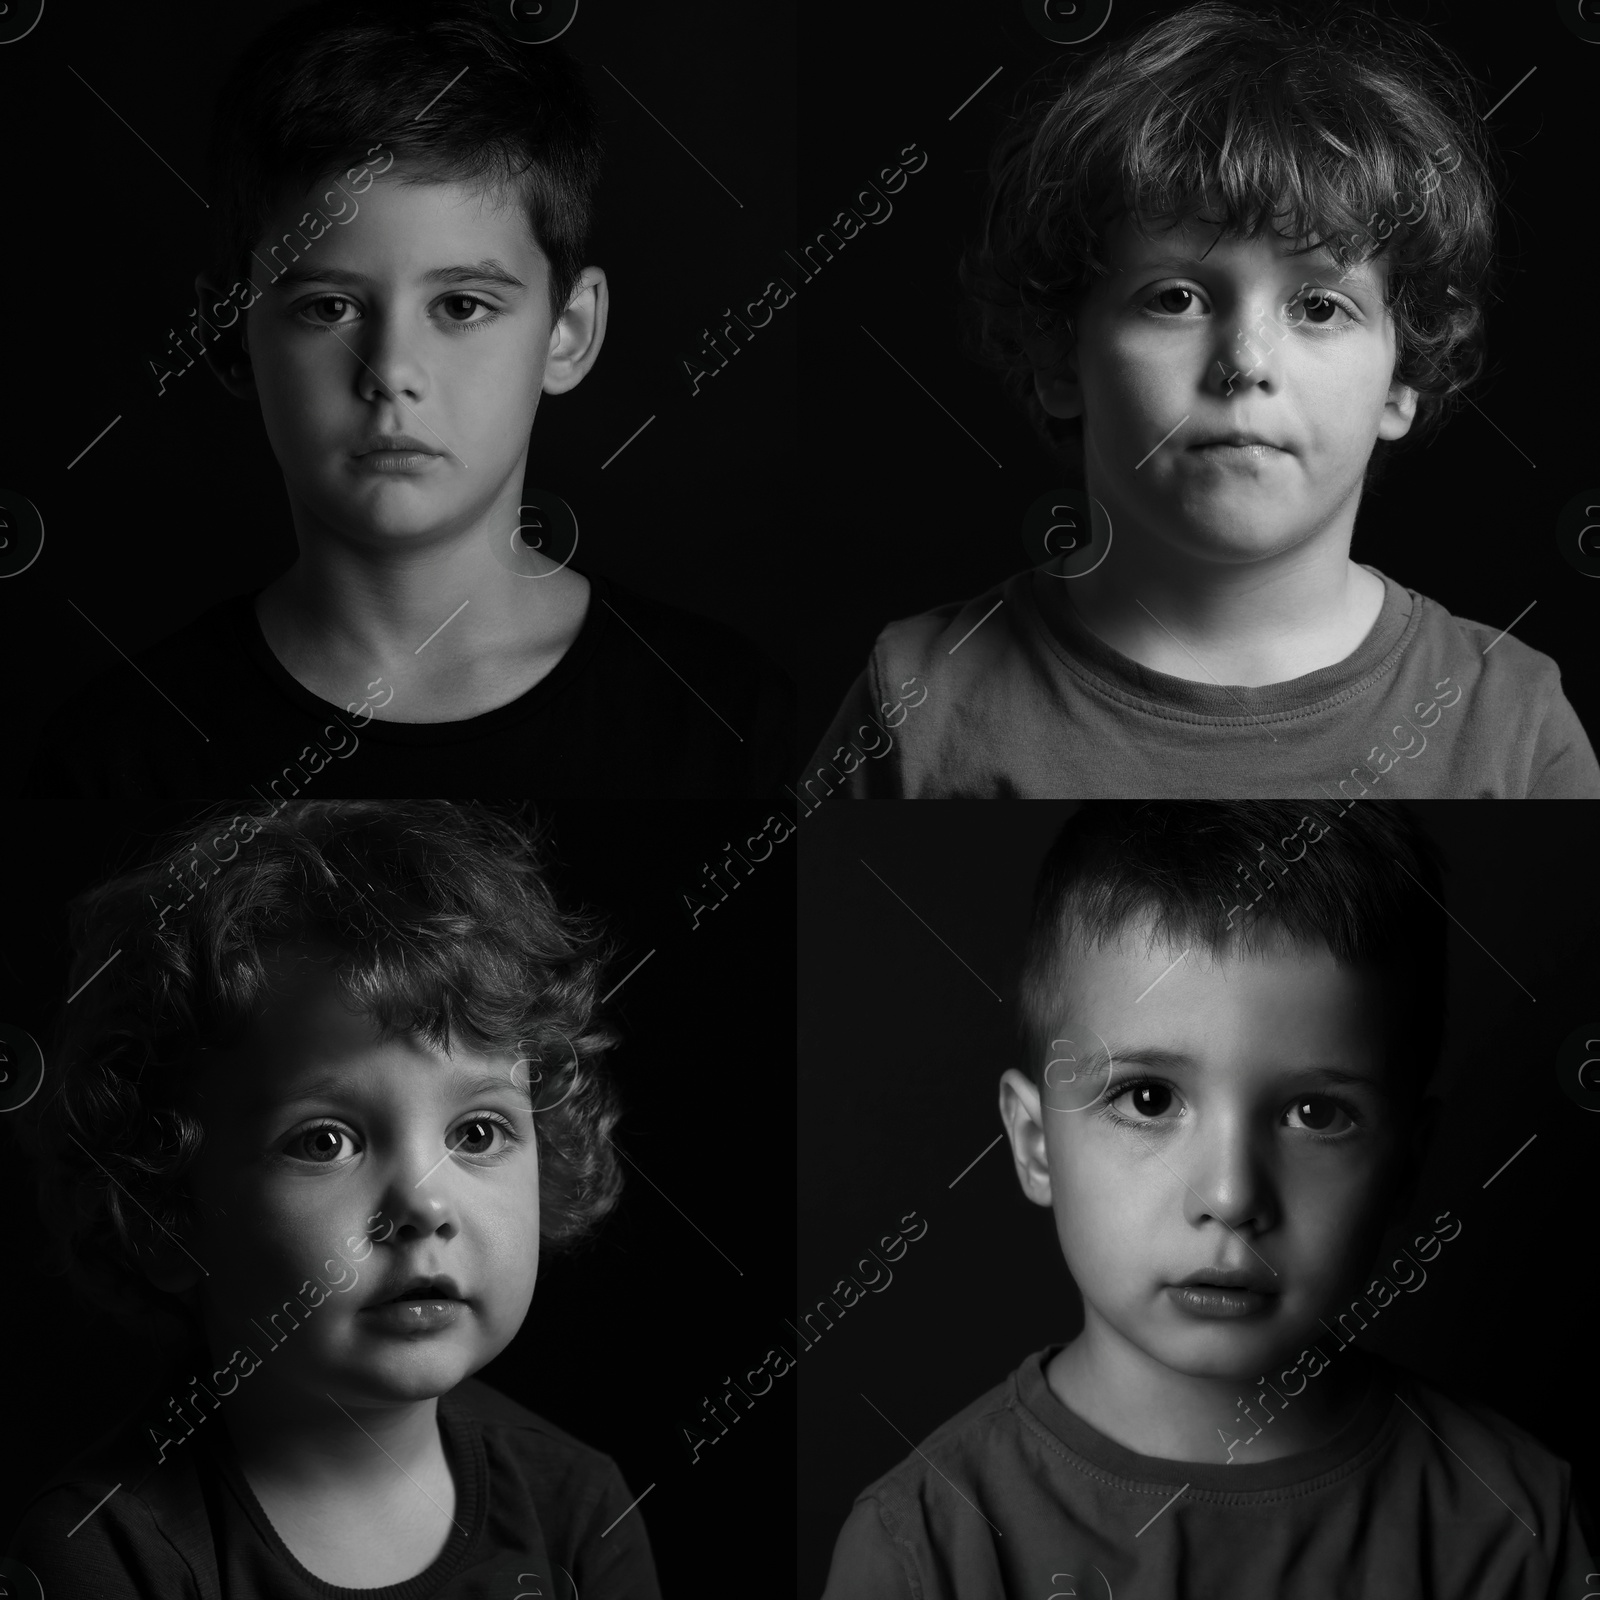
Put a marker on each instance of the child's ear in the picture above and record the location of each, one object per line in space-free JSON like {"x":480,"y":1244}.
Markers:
{"x":1024,"y":1122}
{"x":168,"y":1265}
{"x":1398,"y":411}
{"x":229,"y":355}
{"x":578,"y":333}
{"x":1055,"y":374}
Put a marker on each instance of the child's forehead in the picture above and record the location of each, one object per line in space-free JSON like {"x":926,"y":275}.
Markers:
{"x":1135,"y":241}
{"x":423,"y":209}
{"x":310,"y":1038}
{"x":1269,"y":1003}
{"x":307,"y":1020}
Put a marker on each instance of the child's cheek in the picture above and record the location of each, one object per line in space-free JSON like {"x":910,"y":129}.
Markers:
{"x":341,"y":1280}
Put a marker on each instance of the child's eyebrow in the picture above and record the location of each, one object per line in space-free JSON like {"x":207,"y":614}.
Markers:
{"x":331,"y":1085}
{"x":1312,"y":260}
{"x":488,"y":270}
{"x":1159,"y":1060}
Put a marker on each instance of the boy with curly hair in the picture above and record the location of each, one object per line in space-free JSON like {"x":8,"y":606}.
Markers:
{"x":1228,"y":266}
{"x":334,"y":1076}
{"x":1231,"y":1018}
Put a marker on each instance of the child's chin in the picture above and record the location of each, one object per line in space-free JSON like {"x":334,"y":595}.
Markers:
{"x":1234,"y":541}
{"x":416,"y":1374}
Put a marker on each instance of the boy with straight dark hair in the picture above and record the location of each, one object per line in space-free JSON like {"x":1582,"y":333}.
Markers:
{"x":403,"y":195}
{"x":1231,"y":1018}
{"x":1229,"y":265}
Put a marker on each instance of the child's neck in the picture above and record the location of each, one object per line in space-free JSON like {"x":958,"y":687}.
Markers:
{"x":1242,"y":624}
{"x":1154,"y":1411}
{"x":286,"y":1439}
{"x":450,"y":631}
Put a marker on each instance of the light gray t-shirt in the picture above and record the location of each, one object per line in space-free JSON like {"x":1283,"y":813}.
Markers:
{"x":1004,"y":698}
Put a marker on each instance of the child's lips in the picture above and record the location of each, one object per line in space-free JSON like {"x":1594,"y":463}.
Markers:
{"x":1237,"y":457}
{"x":397,"y":461}
{"x":420,"y":1286}
{"x":415,"y":1314}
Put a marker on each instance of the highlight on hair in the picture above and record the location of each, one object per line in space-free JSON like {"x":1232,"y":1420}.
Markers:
{"x":438,"y":83}
{"x":438,"y":922}
{"x":1368,"y":886}
{"x":1310,"y":125}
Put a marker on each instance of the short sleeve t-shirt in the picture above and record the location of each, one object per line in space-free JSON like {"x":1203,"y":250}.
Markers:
{"x":1011,"y":696}
{"x":1421,"y":1496}
{"x":536,"y":1512}
{"x":649,"y":702}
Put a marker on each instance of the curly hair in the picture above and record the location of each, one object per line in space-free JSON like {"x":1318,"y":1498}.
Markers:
{"x":1342,"y":126}
{"x":437,"y":921}
{"x":329,"y":82}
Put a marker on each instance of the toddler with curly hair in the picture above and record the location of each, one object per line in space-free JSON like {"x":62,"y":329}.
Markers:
{"x":331,"y":1076}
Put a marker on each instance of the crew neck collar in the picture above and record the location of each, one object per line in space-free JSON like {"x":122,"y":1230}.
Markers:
{"x":1091,"y":658}
{"x":464,"y":1452}
{"x":532,"y":701}
{"x":1360,"y":1435}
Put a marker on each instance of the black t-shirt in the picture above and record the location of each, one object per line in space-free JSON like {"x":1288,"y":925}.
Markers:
{"x":537,"y":1512}
{"x":648,"y":702}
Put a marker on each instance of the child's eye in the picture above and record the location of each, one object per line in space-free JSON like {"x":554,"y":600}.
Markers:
{"x":1325,"y":305}
{"x":1316,"y":1113}
{"x":1143,"y":1094}
{"x":475,"y":1136}
{"x":306,"y":313}
{"x":1162,"y":294}
{"x":1319,"y":305}
{"x":320,"y":1144}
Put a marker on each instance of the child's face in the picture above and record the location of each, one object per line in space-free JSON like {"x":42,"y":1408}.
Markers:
{"x":1168,"y":354}
{"x":1224,"y":1168}
{"x":375,"y":1199}
{"x":357,"y":339}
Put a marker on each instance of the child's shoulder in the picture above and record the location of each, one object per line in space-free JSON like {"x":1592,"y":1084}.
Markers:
{"x":663,"y":621}
{"x":565,"y":1476}
{"x":962,"y":1445}
{"x":199,"y":658}
{"x":1480,"y":649}
{"x":116,"y":1511}
{"x":961,"y":634}
{"x":496,"y":1411}
{"x":1451,"y":1427}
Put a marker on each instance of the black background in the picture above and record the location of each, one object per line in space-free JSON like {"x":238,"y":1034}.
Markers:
{"x":182,"y":502}
{"x":624,"y":1341}
{"x":901,"y":1051}
{"x":913,"y":513}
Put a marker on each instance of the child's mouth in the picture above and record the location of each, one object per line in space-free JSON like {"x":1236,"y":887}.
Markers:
{"x":423,"y":1305}
{"x":1239,"y":454}
{"x":414,"y":1314}
{"x":1208,"y":1300}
